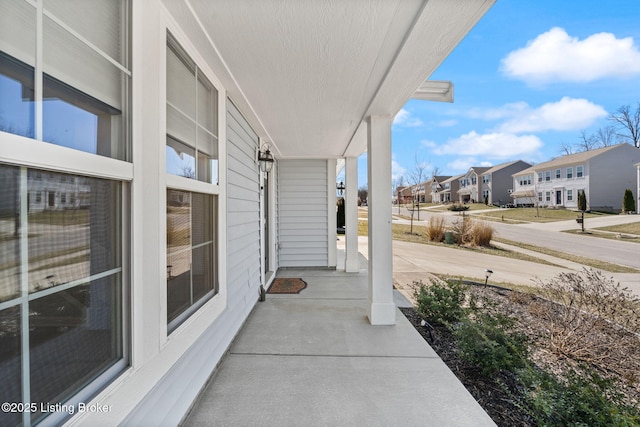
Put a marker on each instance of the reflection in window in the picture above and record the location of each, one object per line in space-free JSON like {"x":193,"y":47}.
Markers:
{"x":192,"y":119}
{"x":190,"y":253}
{"x":72,"y":232}
{"x":16,"y":97}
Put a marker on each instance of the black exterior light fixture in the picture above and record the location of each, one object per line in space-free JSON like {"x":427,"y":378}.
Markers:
{"x":265,"y":158}
{"x":487,"y":274}
{"x":340,"y":187}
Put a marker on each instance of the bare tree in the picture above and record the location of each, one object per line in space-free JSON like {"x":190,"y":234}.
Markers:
{"x":566,"y":148}
{"x":363,"y":194}
{"x":628,"y":123}
{"x":606,"y":136}
{"x":398,"y":187}
{"x":417,"y":177}
{"x":587,"y":142}
{"x":435,"y":172}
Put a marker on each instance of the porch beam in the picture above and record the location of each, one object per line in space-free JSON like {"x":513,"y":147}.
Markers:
{"x":382,"y":310}
{"x":352,"y":263}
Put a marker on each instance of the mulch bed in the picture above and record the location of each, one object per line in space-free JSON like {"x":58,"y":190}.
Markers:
{"x":500,"y":394}
{"x":285,"y":285}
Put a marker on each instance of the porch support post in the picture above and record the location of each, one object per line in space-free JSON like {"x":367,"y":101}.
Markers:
{"x":382,"y":309}
{"x":352,"y":264}
{"x":332,"y":217}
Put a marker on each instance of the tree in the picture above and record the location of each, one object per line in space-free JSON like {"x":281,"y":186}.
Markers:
{"x":417,"y":178}
{"x":628,"y":123}
{"x":566,"y":148}
{"x":606,"y":136}
{"x":587,"y":142}
{"x":582,"y":205}
{"x":398,"y":186}
{"x":363,"y":193}
{"x":628,"y":202}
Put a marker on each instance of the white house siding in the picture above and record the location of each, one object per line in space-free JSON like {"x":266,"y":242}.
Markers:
{"x":302,"y":213}
{"x":243,"y":213}
{"x":610,"y":174}
{"x":171,"y":397}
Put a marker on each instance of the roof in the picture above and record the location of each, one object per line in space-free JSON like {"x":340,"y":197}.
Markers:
{"x":453,"y":178}
{"x":307,"y":75}
{"x":571,"y":159}
{"x":478,"y":170}
{"x":496,"y":168}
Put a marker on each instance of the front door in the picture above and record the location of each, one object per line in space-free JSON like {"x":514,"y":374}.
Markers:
{"x":558,"y":197}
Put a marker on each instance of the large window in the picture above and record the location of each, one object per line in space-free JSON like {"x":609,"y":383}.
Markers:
{"x":192,"y":119}
{"x":61,"y":292}
{"x":191,"y":153}
{"x":64,"y":81}
{"x":77,"y":96}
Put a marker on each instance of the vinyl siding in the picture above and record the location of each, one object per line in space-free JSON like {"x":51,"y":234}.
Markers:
{"x":302,"y":213}
{"x":243,"y":213}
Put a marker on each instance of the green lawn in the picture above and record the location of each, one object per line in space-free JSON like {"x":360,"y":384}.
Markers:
{"x":471,"y":206}
{"x":520,"y":215}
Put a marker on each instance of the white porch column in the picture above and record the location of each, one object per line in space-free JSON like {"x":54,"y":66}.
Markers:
{"x":332,"y":217}
{"x":382,"y":309}
{"x":352,"y":264}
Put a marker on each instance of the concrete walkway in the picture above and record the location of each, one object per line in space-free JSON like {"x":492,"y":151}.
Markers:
{"x":313,"y":359}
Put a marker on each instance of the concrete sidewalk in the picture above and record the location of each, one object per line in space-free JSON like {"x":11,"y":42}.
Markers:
{"x":313,"y":359}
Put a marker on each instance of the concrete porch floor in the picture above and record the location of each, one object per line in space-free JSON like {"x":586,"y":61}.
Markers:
{"x":313,"y":359}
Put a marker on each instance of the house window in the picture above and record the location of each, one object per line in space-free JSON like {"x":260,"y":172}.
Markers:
{"x":547,"y":176}
{"x":485,"y":179}
{"x":190,"y":253}
{"x":62,"y":292}
{"x":579,"y":172}
{"x":73,"y":302}
{"x":473,"y":180}
{"x":192,"y":119}
{"x":539,"y":196}
{"x":191,"y":216}
{"x":569,"y":195}
{"x":548,"y":196}
{"x":558,"y":173}
{"x":569,"y":172}
{"x":539,"y":176}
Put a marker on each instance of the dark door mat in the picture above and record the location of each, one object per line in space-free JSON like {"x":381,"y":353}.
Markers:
{"x":285,"y":285}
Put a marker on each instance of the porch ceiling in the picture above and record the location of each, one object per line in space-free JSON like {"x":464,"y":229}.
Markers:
{"x":307,"y":73}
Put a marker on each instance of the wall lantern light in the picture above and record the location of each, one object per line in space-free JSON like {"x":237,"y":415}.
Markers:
{"x":340,"y":187}
{"x":265,"y":158}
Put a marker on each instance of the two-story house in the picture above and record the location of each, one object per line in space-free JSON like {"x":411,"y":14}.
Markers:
{"x":495,"y":184}
{"x":469,"y":190}
{"x":437,"y":185}
{"x":603,"y":175}
{"x":450,"y":187}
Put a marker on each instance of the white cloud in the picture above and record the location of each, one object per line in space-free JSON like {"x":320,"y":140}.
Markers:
{"x":405,"y":118}
{"x":428,"y":144}
{"x":397,"y":170}
{"x":446,"y":123}
{"x":492,"y":145}
{"x":555,"y":56}
{"x":568,"y":114}
{"x":462,"y":164}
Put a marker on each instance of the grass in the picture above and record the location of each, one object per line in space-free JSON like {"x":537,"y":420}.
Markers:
{"x":588,"y":262}
{"x":64,"y":217}
{"x":631,"y":228}
{"x":472,"y":207}
{"x":520,"y":215}
{"x":403,"y":233}
{"x":610,"y":236}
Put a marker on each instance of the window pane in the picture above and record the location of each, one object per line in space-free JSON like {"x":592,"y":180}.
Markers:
{"x":75,"y":238}
{"x":100,"y":22}
{"x":18,"y":31}
{"x":180,"y":159}
{"x":181,"y":82}
{"x":202,"y":271}
{"x":10,"y":363}
{"x":190,"y":253}
{"x":75,"y":335}
{"x":16,"y":97}
{"x":207,"y":105}
{"x":9,"y":233}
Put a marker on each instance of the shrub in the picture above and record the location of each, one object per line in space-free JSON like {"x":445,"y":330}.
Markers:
{"x":628,"y":202}
{"x":441,"y":302}
{"x":489,"y":343}
{"x":458,"y":207}
{"x":462,"y":230}
{"x":436,"y":228}
{"x":580,"y":400}
{"x":481,"y":233}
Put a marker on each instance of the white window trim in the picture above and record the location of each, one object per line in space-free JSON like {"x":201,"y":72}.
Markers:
{"x":183,"y":335}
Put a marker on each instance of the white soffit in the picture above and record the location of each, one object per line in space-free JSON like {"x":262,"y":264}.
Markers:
{"x":310,"y":72}
{"x":434,"y":90}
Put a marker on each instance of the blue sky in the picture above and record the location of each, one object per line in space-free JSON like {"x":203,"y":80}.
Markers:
{"x":530,"y":77}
